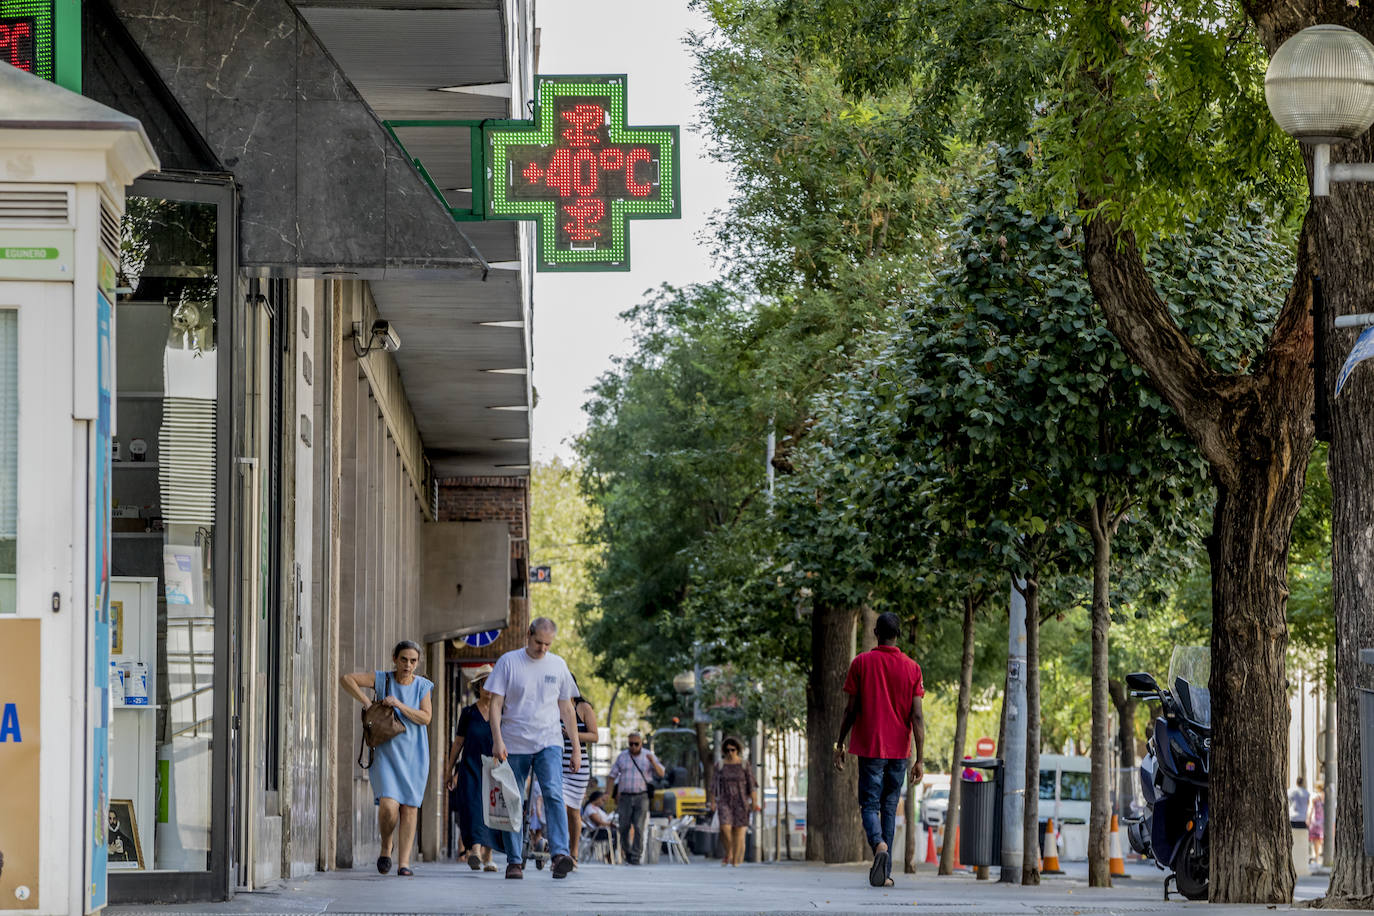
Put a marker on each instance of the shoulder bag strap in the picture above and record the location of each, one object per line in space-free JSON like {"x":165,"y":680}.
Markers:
{"x":642,"y":775}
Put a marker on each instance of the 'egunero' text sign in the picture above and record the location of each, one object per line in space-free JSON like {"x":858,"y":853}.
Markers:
{"x":28,"y":36}
{"x":581,"y":173}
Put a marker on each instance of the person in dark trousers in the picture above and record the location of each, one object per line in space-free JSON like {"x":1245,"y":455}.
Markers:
{"x":630,"y":785}
{"x":884,"y":710}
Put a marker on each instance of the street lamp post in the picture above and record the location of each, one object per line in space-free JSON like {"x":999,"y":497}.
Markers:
{"x":1320,"y":90}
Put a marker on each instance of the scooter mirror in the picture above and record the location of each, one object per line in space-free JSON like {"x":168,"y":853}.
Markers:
{"x":1141,"y":683}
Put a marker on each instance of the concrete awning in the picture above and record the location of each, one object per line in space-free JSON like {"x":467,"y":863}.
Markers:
{"x":465,"y":356}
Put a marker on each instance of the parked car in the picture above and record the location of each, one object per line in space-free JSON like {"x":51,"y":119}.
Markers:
{"x":934,"y":804}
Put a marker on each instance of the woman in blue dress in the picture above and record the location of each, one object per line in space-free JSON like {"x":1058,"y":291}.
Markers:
{"x":400,"y":767}
{"x":464,"y":769}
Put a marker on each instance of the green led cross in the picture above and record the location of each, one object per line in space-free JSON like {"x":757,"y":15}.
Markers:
{"x":581,"y":174}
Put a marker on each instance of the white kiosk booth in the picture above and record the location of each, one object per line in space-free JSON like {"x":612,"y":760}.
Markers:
{"x":64,"y":164}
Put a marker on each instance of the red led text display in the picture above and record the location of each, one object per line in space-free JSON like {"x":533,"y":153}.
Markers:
{"x":581,"y":173}
{"x":17,"y":43}
{"x":26,"y":36}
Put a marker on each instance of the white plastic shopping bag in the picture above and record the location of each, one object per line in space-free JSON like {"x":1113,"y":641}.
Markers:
{"x":501,"y":796}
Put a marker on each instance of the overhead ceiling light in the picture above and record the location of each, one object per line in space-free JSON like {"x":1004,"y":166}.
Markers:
{"x":511,"y":407}
{"x":516,"y":439}
{"x":502,"y":324}
{"x":514,"y":466}
{"x":518,"y":371}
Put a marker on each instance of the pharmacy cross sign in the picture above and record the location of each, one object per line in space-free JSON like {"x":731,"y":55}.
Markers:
{"x":581,"y":173}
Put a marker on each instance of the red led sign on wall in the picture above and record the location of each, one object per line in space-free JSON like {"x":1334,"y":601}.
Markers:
{"x":581,"y":173}
{"x":26,"y":36}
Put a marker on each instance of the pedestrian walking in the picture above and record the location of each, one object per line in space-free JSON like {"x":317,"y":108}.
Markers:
{"x":734,"y":793}
{"x":884,"y":710}
{"x":400,"y":767}
{"x":1316,"y":821}
{"x":1298,"y":802}
{"x":575,"y":781}
{"x":464,"y":768}
{"x":531,"y":691}
{"x":630,"y":784}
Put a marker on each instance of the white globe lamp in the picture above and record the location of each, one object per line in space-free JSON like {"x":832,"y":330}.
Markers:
{"x":1320,"y":90}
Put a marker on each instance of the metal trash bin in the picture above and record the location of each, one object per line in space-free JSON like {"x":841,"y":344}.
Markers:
{"x":980,"y":814}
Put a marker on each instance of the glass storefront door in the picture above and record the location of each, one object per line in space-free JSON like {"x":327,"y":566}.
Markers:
{"x":170,"y":650}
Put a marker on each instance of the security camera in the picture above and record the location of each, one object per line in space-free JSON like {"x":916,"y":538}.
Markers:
{"x":385,"y":335}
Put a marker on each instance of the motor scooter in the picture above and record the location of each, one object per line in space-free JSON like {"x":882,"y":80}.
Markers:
{"x":1175,"y":772}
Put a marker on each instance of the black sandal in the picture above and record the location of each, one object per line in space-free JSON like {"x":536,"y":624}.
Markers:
{"x":383,"y":864}
{"x":878,"y":873}
{"x":404,"y":872}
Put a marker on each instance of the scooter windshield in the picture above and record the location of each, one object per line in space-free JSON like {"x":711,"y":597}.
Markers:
{"x":1190,"y":671}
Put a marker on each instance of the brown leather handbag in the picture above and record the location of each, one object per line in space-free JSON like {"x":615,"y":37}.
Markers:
{"x":381,"y":723}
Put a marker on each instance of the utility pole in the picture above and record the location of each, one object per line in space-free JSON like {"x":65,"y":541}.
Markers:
{"x":1014,"y":748}
{"x":760,"y":750}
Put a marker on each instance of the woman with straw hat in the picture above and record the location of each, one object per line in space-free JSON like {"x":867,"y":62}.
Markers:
{"x":464,"y":769}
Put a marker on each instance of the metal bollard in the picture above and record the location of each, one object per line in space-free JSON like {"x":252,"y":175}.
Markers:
{"x":1366,"y":698}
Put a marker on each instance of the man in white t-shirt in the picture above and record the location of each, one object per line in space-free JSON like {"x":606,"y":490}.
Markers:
{"x":531,"y":693}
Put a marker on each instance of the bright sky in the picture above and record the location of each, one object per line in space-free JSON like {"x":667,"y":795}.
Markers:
{"x":576,"y":328}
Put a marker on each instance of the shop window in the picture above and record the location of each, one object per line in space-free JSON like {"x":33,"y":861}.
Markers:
{"x":9,"y":456}
{"x":165,"y":525}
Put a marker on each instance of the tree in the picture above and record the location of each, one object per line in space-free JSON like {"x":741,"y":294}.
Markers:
{"x":663,"y":464}
{"x":559,"y":518}
{"x":1147,"y":118}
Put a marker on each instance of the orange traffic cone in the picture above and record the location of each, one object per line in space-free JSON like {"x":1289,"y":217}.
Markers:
{"x":1118,"y":864}
{"x":1051,"y":853}
{"x":931,"y":858}
{"x":958,"y":866}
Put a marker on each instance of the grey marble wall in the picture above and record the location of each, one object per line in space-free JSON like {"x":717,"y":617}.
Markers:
{"x":323,"y":185}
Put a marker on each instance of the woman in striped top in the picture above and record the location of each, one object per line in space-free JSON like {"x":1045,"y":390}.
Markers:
{"x":575,"y":784}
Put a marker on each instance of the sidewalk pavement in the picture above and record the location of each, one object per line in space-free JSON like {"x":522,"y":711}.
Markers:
{"x":705,"y":887}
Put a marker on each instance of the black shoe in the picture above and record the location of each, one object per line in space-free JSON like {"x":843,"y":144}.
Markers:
{"x":383,"y":864}
{"x":515,"y":871}
{"x":562,"y":865}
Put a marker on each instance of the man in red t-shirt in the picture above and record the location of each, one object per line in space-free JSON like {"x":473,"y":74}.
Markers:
{"x":884,"y":710}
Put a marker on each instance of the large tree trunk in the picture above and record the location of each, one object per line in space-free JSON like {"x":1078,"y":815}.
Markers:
{"x":1345,"y":219}
{"x":1251,"y":852}
{"x":1255,"y":431}
{"x":834,"y":832}
{"x":1100,"y":816}
{"x":1030,"y":842}
{"x":960,"y":737}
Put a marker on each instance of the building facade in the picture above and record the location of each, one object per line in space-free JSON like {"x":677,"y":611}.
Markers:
{"x":292,"y":493}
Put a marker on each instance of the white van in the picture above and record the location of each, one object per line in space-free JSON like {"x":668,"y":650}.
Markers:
{"x":1065,"y":788}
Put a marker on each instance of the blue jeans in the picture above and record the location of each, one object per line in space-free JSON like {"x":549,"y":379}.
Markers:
{"x":548,"y":769}
{"x":880,"y":788}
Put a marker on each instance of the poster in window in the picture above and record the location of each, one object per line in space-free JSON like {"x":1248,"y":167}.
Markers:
{"x":19,"y":765}
{"x":181,"y":578}
{"x":116,"y":627}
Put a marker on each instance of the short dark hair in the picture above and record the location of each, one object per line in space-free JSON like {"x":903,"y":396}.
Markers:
{"x":596,"y":796}
{"x":406,"y":644}
{"x":888,"y":626}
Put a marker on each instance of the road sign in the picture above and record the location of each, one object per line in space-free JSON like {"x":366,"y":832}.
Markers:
{"x":541,"y":574}
{"x":985,"y":747}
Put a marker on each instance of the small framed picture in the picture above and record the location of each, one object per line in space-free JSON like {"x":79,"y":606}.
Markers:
{"x":123,"y":849}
